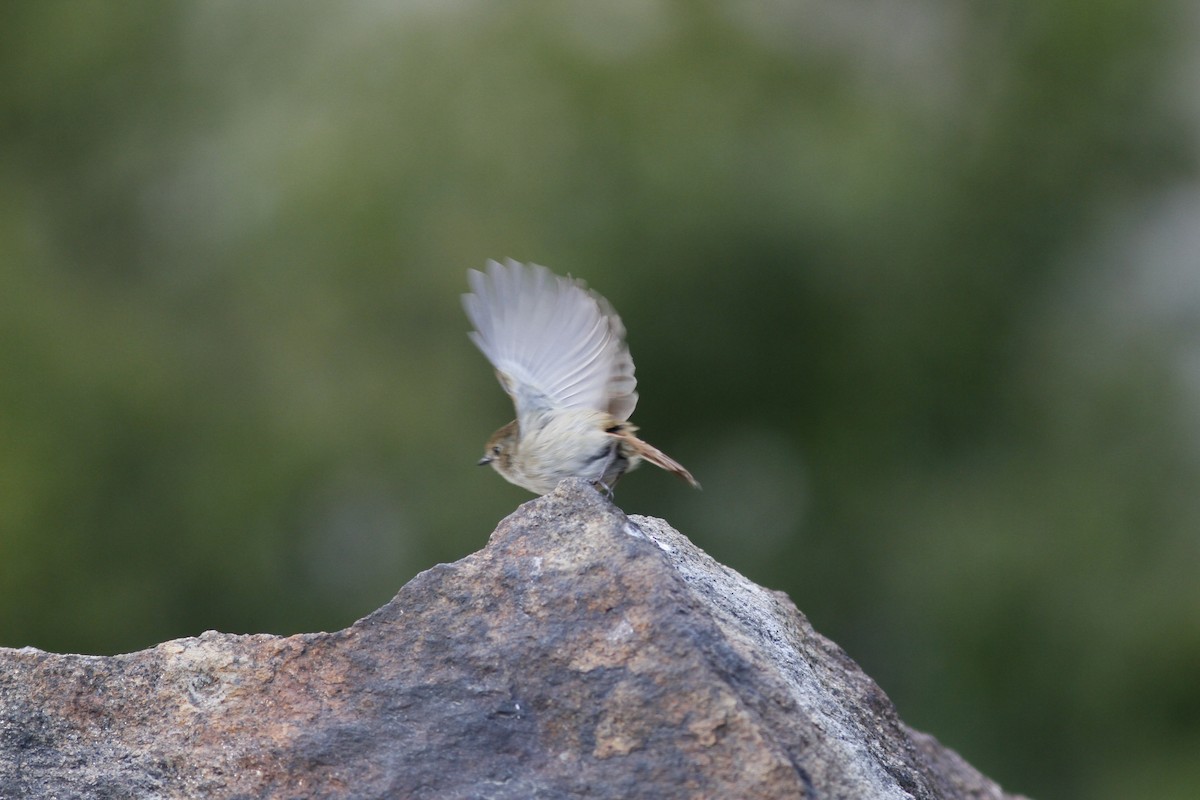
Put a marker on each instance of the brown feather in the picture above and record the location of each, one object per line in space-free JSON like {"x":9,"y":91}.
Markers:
{"x":633,"y":447}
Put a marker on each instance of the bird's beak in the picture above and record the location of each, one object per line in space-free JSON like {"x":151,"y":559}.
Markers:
{"x":484,"y":461}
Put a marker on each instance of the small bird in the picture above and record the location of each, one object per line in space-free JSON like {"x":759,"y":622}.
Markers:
{"x":559,"y":351}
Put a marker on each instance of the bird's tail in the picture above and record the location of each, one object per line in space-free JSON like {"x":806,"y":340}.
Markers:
{"x":657,"y":457}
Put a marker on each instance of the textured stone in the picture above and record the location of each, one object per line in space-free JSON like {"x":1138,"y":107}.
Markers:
{"x":581,"y":654}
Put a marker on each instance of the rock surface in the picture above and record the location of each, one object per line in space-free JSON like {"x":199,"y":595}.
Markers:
{"x":581,"y":654}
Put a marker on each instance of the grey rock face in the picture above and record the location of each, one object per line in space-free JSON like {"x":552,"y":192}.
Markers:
{"x":581,"y":654}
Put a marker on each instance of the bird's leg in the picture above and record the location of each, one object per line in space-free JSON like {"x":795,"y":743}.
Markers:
{"x":614,"y":455}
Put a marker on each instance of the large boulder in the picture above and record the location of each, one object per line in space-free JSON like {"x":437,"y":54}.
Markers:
{"x":582,"y":654}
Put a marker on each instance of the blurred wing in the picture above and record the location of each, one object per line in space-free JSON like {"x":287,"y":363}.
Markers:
{"x":554,"y":343}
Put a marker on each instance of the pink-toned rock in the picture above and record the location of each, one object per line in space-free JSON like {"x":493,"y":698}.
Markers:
{"x":581,"y":654}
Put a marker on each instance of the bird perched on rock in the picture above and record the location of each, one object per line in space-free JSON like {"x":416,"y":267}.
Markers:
{"x":559,"y":351}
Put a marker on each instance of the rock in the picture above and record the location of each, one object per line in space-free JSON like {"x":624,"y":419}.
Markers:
{"x":581,"y":654}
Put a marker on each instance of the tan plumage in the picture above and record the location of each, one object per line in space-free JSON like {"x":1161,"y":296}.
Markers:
{"x":559,"y":352}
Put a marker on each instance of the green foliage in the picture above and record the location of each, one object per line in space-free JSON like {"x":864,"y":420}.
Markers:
{"x":901,"y":283}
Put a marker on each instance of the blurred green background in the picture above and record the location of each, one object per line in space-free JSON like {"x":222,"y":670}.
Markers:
{"x":913,"y":289}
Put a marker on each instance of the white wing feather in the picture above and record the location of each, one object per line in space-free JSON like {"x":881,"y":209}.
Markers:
{"x":554,"y":343}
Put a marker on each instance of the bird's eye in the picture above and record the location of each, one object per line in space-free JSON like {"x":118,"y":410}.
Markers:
{"x":495,"y":449}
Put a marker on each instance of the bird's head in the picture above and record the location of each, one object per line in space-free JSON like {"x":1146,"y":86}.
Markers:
{"x":500,"y":448}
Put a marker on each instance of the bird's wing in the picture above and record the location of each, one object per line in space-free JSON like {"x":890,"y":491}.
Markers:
{"x":554,"y":343}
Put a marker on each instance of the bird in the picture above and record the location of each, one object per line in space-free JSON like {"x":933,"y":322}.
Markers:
{"x":559,"y":352}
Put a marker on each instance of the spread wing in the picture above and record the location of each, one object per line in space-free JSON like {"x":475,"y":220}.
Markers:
{"x":554,"y":343}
